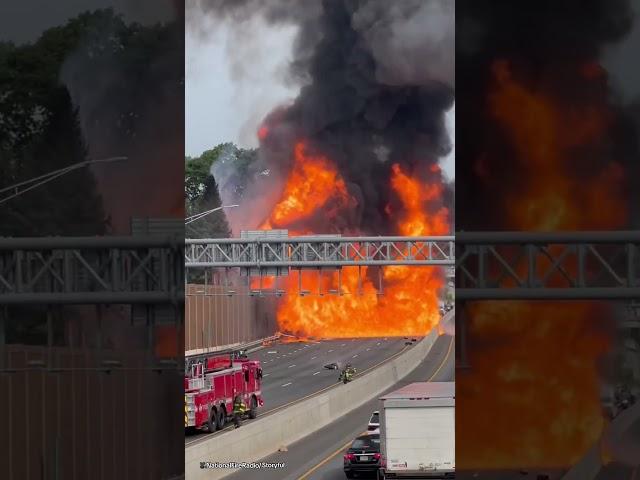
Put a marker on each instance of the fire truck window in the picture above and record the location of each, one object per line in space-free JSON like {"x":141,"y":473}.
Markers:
{"x":246,"y":376}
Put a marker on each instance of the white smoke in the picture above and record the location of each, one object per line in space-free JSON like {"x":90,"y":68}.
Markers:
{"x":255,"y":191}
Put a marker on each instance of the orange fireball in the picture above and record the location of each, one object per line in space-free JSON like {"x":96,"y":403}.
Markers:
{"x":347,"y":304}
{"x":533,"y":382}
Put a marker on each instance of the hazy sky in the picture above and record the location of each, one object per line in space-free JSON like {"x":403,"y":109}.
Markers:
{"x":220,"y":107}
{"x":226,"y":106}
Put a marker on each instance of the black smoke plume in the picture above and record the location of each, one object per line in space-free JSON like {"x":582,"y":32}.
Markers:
{"x":546,"y":44}
{"x":376,"y":80}
{"x":555,"y":50}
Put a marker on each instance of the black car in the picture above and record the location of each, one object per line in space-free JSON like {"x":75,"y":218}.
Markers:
{"x":363,"y":456}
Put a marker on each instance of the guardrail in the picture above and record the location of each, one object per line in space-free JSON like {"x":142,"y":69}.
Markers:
{"x":245,"y":346}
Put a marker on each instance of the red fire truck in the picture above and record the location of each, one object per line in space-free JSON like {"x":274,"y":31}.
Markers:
{"x":211,"y":384}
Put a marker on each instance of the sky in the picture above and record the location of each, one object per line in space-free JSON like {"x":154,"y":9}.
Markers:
{"x":221,"y":107}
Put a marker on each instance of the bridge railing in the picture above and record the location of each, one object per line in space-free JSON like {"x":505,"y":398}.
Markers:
{"x":318,"y":252}
{"x":109,"y":270}
{"x":539,"y":266}
{"x":489,"y":265}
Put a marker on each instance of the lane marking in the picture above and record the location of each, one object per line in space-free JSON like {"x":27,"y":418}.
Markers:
{"x":400,"y":352}
{"x":312,"y":358}
{"x":201,"y":438}
{"x":291,"y":366}
{"x":266,"y":374}
{"x":330,"y":351}
{"x":355,"y":356}
{"x":287,"y":384}
{"x":343,"y":345}
{"x":342,"y":448}
{"x":378,"y":343}
{"x":368,"y":349}
{"x":444,"y":361}
{"x":316,"y":373}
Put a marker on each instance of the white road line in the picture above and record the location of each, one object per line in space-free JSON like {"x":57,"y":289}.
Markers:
{"x":287,"y":384}
{"x":291,"y":366}
{"x":378,"y":343}
{"x":312,"y":358}
{"x":355,"y":356}
{"x":343,"y":345}
{"x":316,"y":373}
{"x":266,"y":374}
{"x":368,"y":349}
{"x":330,"y":351}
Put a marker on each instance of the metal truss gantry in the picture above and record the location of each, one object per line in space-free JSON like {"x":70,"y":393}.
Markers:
{"x":318,"y":252}
{"x":548,"y":266}
{"x":95,"y":270}
{"x":489,"y":266}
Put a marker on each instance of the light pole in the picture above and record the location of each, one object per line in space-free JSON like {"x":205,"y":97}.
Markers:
{"x":27,"y":185}
{"x":200,"y":215}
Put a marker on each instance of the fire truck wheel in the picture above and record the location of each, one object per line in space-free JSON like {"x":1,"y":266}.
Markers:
{"x":253,"y":412}
{"x":213,"y":420}
{"x":222,"y":418}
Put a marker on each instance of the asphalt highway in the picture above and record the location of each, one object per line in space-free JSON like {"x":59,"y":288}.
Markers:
{"x":319,"y":456}
{"x":292,"y":371}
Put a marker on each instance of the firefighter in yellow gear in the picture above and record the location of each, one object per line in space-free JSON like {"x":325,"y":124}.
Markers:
{"x":239,"y":409}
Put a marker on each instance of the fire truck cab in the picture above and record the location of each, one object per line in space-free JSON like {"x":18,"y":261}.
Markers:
{"x":212,"y":384}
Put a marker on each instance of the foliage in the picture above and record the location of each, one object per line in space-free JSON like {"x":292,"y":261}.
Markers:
{"x":201,"y":194}
{"x":115,"y":67}
{"x":197,"y":170}
{"x":201,"y":190}
{"x":40,"y":132}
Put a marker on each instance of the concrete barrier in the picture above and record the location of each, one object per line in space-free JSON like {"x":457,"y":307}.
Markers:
{"x":260,"y":438}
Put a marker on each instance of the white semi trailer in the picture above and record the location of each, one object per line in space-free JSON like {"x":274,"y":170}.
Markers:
{"x":417,"y":432}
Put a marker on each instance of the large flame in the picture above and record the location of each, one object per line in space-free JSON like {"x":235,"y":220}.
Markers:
{"x":348,"y":304}
{"x":314,"y":186}
{"x":533,"y":384}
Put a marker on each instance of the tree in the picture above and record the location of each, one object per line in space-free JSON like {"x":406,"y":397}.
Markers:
{"x":201,"y":190}
{"x":197,"y":170}
{"x":40,"y":132}
{"x":201,"y":194}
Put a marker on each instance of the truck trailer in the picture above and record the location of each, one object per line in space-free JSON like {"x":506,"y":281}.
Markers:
{"x":417,"y":432}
